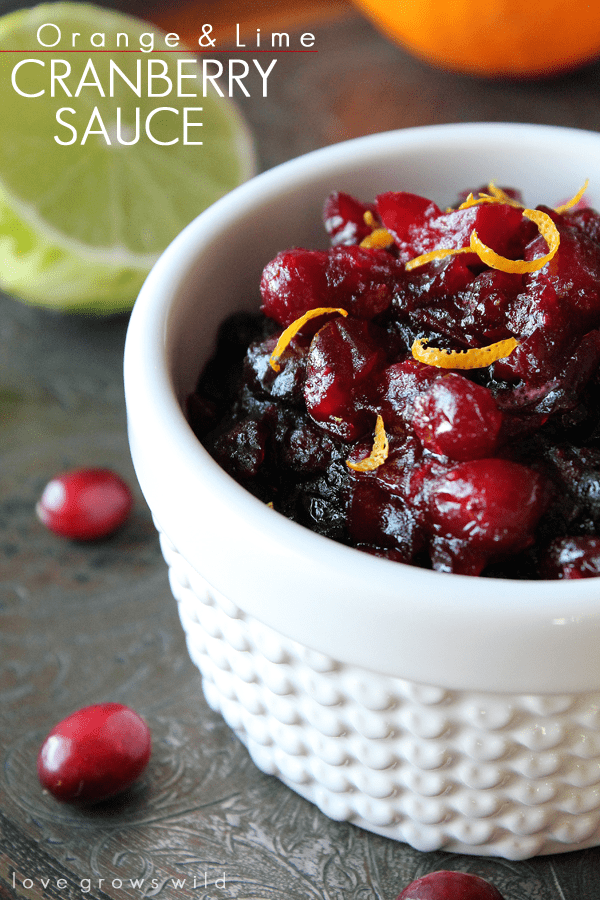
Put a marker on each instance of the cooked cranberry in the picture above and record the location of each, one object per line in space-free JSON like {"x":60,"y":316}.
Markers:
{"x":398,"y":386}
{"x":361,"y":281}
{"x":306,"y":448}
{"x":381,"y":519}
{"x":457,"y":418}
{"x":344,"y":218}
{"x":445,"y":885}
{"x":342,"y":355}
{"x":486,"y":305}
{"x":495,"y":504}
{"x":574,"y":272}
{"x":419,"y":226}
{"x":587,"y":220}
{"x":286,"y":384}
{"x":85,"y":504}
{"x":485,"y":468}
{"x":241,"y":450}
{"x":94,"y":753}
{"x":573,"y":557}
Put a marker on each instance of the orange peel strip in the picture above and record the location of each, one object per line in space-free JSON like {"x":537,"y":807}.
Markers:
{"x":476,"y":201}
{"x":574,"y":200}
{"x":369,"y":219}
{"x":476,"y":358}
{"x":379,"y":238}
{"x":547,"y":229}
{"x":502,"y":197}
{"x":286,"y":336}
{"x":379,"y":453}
{"x":434,"y":254}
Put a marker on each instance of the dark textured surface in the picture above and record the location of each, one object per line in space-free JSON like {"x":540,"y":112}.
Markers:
{"x":85,"y":623}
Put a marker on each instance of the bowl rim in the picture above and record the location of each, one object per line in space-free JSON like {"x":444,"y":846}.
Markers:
{"x":517,"y":636}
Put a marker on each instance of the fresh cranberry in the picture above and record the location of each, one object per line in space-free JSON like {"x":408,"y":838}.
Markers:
{"x":444,"y":885}
{"x":494,"y":504}
{"x":85,"y":504}
{"x":457,"y":418}
{"x":94,"y":753}
{"x":344,"y":219}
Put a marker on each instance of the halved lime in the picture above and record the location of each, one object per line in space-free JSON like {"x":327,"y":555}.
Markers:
{"x":99,"y":171}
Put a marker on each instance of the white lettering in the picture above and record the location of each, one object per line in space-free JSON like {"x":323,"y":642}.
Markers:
{"x":149,"y":118}
{"x":206,"y":76}
{"x":13,"y":79}
{"x":181,"y":76}
{"x":187,"y":124}
{"x":56,"y":77}
{"x":48,"y":25}
{"x":238,"y":78}
{"x":264,"y":75}
{"x":153,"y":76}
{"x":90,"y":69}
{"x":114,"y":69}
{"x":95,"y":117}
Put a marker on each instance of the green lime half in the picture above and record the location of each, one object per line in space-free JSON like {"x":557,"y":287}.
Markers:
{"x":107,"y":164}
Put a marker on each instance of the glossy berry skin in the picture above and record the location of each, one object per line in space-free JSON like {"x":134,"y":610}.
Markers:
{"x":457,"y":418}
{"x":85,"y":504}
{"x":344,"y":219}
{"x":445,"y":885}
{"x":571,"y":558}
{"x":494,"y":504}
{"x":94,"y":753}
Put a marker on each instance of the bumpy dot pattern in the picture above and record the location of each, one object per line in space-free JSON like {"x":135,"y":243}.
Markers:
{"x":496,"y":774}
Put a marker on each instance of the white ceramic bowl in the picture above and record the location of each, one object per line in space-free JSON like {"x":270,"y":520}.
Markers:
{"x":441,"y":710}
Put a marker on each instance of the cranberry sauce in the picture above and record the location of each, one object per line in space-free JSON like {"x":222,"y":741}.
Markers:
{"x":444,"y":412}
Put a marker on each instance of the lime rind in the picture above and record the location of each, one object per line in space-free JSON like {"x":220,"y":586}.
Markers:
{"x":47,"y":273}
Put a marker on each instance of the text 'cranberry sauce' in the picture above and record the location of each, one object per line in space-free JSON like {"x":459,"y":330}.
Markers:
{"x":428,"y":388}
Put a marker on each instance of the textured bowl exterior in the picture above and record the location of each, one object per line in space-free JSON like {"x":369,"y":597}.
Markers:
{"x":440,"y":710}
{"x":511,"y":775}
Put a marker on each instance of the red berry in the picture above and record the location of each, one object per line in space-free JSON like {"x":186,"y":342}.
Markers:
{"x":494,"y":504}
{"x":94,"y":753}
{"x":457,"y":418}
{"x":85,"y":504}
{"x":450,"y":886}
{"x":344,"y":218}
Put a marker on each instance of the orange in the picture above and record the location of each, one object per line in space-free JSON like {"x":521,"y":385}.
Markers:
{"x":513,"y":38}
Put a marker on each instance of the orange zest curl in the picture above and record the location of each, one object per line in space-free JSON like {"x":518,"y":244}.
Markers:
{"x":494,"y":195}
{"x":378,"y":238}
{"x":434,"y":254}
{"x":379,"y":453}
{"x":369,"y":219}
{"x":286,"y":336}
{"x":502,"y":197}
{"x":547,"y":229}
{"x":494,"y":260}
{"x":574,"y":200}
{"x":476,"y":358}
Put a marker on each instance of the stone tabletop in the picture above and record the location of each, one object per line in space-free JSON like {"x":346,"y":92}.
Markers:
{"x":85,"y":623}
